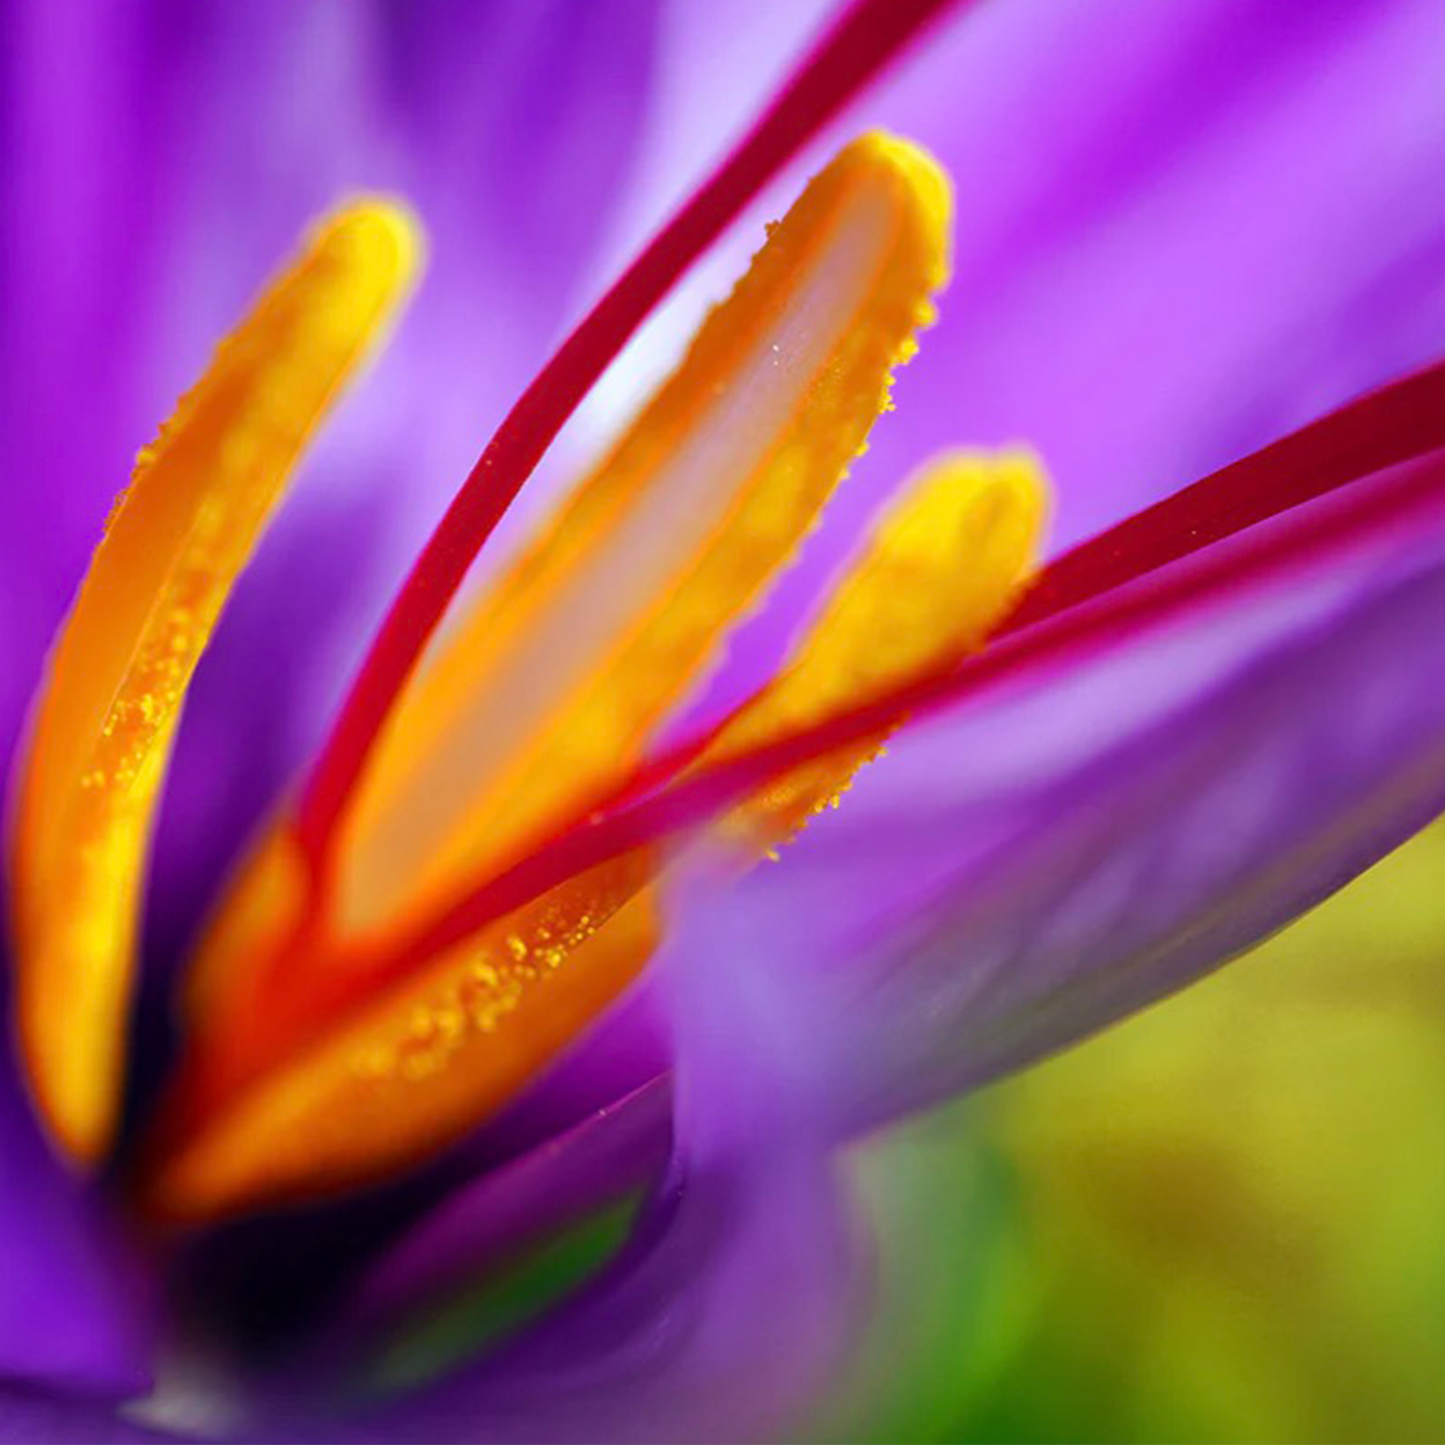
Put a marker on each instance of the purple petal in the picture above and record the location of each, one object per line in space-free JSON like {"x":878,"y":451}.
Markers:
{"x":1036,"y":862}
{"x":724,"y":1316}
{"x":509,"y":1208}
{"x":73,"y":1311}
{"x":27,"y":1418}
{"x":729,"y":1309}
{"x":627,"y":1048}
{"x":1181,"y":231}
{"x":79,"y":132}
{"x":1202,"y":229}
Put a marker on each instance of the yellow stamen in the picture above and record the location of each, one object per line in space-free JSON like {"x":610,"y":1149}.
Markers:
{"x":940,"y":571}
{"x":101,"y":734}
{"x":414,"y":1069}
{"x":568,"y":663}
{"x":548,"y":694}
{"x":418,"y":1066}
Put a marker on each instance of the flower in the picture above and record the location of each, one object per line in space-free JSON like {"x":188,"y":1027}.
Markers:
{"x":412,"y":940}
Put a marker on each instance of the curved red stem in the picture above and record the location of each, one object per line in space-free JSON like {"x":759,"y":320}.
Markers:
{"x":1393,"y":439}
{"x":1399,"y":420}
{"x":863,"y":40}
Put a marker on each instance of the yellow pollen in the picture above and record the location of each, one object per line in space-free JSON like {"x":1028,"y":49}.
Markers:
{"x":414,"y":1068}
{"x":566,"y":665}
{"x":422,"y":1063}
{"x":943,"y":566}
{"x":320,"y":1054}
{"x":103,"y":724}
{"x":547,"y":695}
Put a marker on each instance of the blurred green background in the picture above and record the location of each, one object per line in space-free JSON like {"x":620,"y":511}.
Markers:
{"x":1223,"y":1220}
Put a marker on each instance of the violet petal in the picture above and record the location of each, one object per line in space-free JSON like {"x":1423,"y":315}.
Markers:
{"x":1030,"y":864}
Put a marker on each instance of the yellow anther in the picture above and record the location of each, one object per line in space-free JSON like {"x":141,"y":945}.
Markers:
{"x":548,"y":694}
{"x":943,"y":566}
{"x":104,"y":721}
{"x":417,"y":1065}
{"x":566,"y":666}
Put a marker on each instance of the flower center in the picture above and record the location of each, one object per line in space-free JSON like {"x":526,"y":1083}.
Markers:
{"x":349,"y":1011}
{"x":341,"y":1031}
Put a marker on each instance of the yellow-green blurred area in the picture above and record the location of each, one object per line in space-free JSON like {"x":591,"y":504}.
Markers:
{"x":1223,"y":1220}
